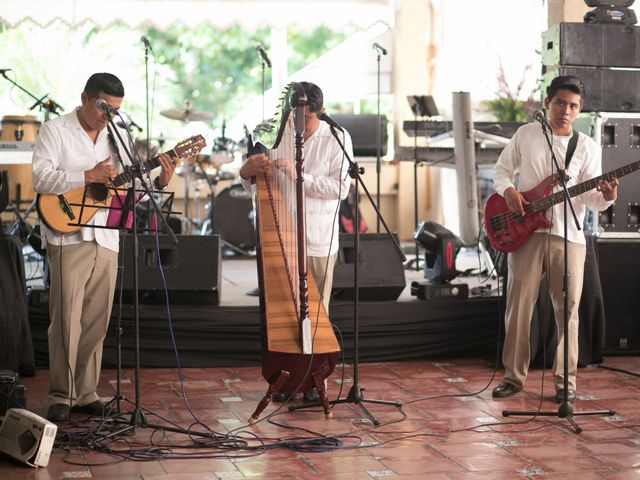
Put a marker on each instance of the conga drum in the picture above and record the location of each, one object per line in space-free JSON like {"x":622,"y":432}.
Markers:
{"x":16,"y":128}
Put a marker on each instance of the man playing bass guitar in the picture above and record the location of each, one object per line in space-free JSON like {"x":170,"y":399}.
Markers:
{"x":527,"y":156}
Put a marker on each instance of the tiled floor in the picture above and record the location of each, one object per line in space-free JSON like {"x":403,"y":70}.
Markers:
{"x":449,"y":428}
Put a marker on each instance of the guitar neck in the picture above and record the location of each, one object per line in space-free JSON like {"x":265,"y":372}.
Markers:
{"x":128,"y":176}
{"x":549,"y":201}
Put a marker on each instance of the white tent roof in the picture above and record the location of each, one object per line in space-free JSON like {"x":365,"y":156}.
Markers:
{"x":164,"y":13}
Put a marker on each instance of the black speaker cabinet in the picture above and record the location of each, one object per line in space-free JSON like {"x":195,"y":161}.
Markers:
{"x":192,"y":268}
{"x":362,"y":129}
{"x":380,"y":269}
{"x":606,"y":90}
{"x":619,"y":264}
{"x":591,"y":45}
{"x":620,"y":140}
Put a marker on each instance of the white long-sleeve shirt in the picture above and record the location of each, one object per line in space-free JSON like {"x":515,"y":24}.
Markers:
{"x":62,"y":153}
{"x":326,"y":183}
{"x":528,"y":158}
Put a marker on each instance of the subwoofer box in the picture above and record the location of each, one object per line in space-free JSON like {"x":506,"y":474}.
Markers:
{"x":619,"y":264}
{"x":192,"y":269}
{"x":380,"y":269}
{"x":606,"y":90}
{"x":591,"y":45}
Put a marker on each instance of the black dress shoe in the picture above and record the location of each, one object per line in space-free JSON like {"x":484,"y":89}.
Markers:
{"x":311,"y":396}
{"x":58,"y":412}
{"x":571,"y":396}
{"x":505,"y":390}
{"x":93,"y":408}
{"x":280,"y":397}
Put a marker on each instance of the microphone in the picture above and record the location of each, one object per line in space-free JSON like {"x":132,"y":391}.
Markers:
{"x":104,"y":106}
{"x":539,"y":116}
{"x":5,"y":70}
{"x":326,"y":118}
{"x":133,"y":124}
{"x":146,"y":42}
{"x":377,"y":47}
{"x":263,"y":55}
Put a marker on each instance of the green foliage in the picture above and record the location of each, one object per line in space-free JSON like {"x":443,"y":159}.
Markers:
{"x":306,"y":47}
{"x":216,"y":69}
{"x":507,"y":109}
{"x":507,"y":106}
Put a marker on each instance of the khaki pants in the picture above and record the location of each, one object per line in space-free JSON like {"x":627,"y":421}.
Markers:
{"x":83,"y":278}
{"x":318,"y":266}
{"x":541,"y":254}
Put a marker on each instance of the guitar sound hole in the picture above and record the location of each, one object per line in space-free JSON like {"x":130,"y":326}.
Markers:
{"x":97,"y":191}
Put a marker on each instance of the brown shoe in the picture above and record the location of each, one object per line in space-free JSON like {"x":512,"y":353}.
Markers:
{"x":505,"y":389}
{"x":94,"y":408}
{"x":58,"y":412}
{"x":571,"y":396}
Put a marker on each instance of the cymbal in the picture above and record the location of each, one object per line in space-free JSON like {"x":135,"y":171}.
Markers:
{"x":186,"y":114}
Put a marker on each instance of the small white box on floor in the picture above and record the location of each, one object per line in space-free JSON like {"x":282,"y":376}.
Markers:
{"x":27,"y":437}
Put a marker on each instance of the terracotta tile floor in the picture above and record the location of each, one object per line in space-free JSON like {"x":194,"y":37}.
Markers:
{"x":449,"y":428}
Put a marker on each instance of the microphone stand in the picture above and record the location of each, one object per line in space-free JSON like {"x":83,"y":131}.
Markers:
{"x":137,"y":417}
{"x":263,"y":64}
{"x":50,"y":107}
{"x":47,"y":104}
{"x":355,"y":393}
{"x":565,"y":410}
{"x":378,"y":141}
{"x":147,"y":48}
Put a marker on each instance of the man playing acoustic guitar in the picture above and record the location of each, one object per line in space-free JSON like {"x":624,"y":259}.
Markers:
{"x":72,"y":151}
{"x":528,"y":156}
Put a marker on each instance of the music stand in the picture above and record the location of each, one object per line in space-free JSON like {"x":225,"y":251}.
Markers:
{"x":421,"y":106}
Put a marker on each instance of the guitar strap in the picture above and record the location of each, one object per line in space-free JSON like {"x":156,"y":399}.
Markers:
{"x":571,"y":148}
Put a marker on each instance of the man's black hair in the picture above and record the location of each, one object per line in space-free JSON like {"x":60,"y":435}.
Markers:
{"x":315,"y":99}
{"x":565,"y":82}
{"x":105,"y":83}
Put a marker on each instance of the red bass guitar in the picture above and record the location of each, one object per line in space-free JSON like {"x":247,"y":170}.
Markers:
{"x":507,"y":230}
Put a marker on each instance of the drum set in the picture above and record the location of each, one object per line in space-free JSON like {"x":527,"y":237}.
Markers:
{"x":228,"y":212}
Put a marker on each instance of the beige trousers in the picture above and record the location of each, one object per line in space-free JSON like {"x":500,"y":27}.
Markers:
{"x":318,"y":266}
{"x":83,"y":278}
{"x":542,"y":254}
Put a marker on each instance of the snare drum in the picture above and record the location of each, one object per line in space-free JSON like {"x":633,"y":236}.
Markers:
{"x":16,"y":128}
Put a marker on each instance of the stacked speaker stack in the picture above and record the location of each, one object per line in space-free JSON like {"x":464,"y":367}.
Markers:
{"x":604,"y":52}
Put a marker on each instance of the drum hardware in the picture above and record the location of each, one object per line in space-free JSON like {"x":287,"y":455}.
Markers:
{"x":187,"y":114}
{"x":233,"y":217}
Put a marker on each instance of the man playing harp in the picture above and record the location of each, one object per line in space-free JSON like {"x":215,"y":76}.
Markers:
{"x":326,"y":183}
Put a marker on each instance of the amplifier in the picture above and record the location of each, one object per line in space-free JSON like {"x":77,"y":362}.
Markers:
{"x":13,"y":394}
{"x":432,"y":291}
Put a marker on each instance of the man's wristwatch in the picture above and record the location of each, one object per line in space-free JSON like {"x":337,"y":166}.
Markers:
{"x":156,"y":184}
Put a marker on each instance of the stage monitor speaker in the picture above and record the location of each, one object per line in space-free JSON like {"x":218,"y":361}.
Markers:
{"x":619,"y":264}
{"x":192,"y":268}
{"x":362,"y":129}
{"x":27,"y":437}
{"x":606,"y":90}
{"x":591,"y":45}
{"x":380,"y":269}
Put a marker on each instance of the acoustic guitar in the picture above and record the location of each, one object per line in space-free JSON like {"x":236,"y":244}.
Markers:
{"x":508,"y":230}
{"x":66,"y":213}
